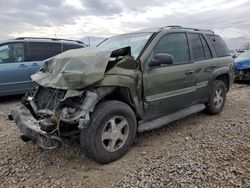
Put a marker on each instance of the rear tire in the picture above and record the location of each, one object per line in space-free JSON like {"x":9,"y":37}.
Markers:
{"x":111,"y":132}
{"x":217,"y":98}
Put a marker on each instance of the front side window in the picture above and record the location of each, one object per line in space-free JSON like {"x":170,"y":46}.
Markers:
{"x":176,"y":45}
{"x":12,"y":53}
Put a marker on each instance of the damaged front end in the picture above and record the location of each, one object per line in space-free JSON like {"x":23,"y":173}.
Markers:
{"x":66,"y":95}
{"x":242,"y":66}
{"x":242,"y":74}
{"x":51,"y":114}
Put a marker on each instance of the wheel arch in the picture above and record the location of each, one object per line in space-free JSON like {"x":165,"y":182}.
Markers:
{"x":225,"y":78}
{"x":223,"y":75}
{"x":125,"y":95}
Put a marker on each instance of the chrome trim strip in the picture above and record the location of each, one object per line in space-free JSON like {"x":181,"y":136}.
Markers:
{"x":201,"y":84}
{"x":176,"y":92}
{"x":13,"y":83}
{"x":170,"y":94}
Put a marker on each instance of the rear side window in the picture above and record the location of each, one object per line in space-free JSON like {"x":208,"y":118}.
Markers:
{"x":206,"y":48}
{"x":199,"y":46}
{"x":39,"y":51}
{"x":176,"y":45}
{"x":219,"y":45}
{"x":196,"y":47}
{"x":12,"y":53}
{"x":70,"y":46}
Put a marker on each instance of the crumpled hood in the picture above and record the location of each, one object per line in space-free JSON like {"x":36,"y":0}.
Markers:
{"x":242,"y":64}
{"x":74,"y":69}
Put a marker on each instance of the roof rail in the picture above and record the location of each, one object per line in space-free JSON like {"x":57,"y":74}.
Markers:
{"x":54,"y":39}
{"x":187,"y":28}
{"x":172,"y":26}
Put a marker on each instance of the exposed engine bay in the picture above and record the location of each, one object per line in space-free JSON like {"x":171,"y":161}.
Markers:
{"x":56,"y":115}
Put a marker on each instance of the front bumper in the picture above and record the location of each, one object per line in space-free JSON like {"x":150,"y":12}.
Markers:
{"x":30,"y":127}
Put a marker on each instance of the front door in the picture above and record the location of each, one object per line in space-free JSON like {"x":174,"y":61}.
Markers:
{"x":172,"y":87}
{"x":14,"y":70}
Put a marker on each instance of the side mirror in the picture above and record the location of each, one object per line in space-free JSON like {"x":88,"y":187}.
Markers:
{"x":161,"y":59}
{"x":121,"y":52}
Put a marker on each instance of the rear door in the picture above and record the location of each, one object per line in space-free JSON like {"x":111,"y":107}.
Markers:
{"x":14,"y":69}
{"x":172,"y":87}
{"x":202,"y":57}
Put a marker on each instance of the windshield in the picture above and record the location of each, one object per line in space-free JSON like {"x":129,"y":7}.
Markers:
{"x":243,"y":56}
{"x":135,"y":41}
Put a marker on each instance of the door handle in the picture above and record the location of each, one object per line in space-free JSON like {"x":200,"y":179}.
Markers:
{"x":22,"y":65}
{"x":34,"y":65}
{"x":188,"y":72}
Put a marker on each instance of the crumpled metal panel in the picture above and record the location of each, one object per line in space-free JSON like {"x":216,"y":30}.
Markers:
{"x":74,"y":69}
{"x":245,"y":64}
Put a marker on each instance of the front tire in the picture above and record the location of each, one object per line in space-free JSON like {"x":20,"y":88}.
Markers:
{"x":111,"y":132}
{"x":217,"y":98}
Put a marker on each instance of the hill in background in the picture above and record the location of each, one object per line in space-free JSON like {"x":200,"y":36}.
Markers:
{"x":237,"y":43}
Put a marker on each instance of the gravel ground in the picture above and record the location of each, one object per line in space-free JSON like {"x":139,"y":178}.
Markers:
{"x":198,"y":151}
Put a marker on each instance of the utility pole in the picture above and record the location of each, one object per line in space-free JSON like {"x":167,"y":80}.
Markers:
{"x":89,"y":41}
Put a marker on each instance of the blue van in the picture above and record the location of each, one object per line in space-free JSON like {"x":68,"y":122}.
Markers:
{"x":22,"y":57}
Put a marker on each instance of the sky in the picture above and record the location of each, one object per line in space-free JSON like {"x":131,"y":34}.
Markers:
{"x":75,"y":19}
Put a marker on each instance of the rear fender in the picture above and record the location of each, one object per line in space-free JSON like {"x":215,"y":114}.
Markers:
{"x":221,"y":71}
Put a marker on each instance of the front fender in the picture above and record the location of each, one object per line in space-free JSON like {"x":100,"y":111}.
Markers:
{"x":132,"y":83}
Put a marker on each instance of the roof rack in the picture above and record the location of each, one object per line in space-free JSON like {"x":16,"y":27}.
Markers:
{"x":187,"y":28}
{"x":54,"y":39}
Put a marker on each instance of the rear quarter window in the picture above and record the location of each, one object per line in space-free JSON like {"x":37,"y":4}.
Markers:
{"x":67,"y":46}
{"x":219,"y":46}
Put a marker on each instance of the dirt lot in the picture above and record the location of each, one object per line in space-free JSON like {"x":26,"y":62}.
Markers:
{"x":199,"y":151}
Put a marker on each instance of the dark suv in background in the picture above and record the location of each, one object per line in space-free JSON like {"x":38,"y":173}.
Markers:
{"x":22,"y":57}
{"x":129,"y":83}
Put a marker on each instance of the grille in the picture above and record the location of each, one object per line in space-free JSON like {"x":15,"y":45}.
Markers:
{"x":48,"y":98}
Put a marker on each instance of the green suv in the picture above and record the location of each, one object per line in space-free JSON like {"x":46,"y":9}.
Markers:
{"x":129,"y":83}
